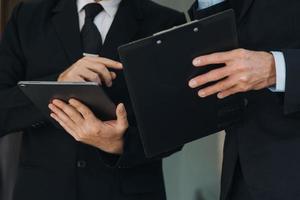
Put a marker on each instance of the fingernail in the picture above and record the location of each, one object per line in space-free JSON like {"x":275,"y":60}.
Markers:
{"x":193,"y":84}
{"x":221,"y":96}
{"x":196,"y":61}
{"x":201,"y":94}
{"x":109,"y":84}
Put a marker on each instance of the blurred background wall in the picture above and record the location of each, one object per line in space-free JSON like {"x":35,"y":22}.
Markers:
{"x":5,"y":9}
{"x":194,"y":173}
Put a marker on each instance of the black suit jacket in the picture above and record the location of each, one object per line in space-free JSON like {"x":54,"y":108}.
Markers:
{"x":41,"y":40}
{"x":267,"y":141}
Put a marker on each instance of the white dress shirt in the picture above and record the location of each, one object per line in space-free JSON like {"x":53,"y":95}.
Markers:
{"x":278,"y":56}
{"x":104,"y":19}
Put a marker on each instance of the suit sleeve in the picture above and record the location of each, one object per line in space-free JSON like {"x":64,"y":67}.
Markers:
{"x":292,"y":89}
{"x":196,"y":13}
{"x":134,"y":154}
{"x":16,"y":111}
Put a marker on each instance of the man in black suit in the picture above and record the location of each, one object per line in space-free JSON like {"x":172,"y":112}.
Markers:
{"x":41,"y":41}
{"x":261,"y":160}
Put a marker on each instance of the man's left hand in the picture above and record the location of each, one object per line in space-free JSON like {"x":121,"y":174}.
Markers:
{"x":243,"y":71}
{"x":81,"y":123}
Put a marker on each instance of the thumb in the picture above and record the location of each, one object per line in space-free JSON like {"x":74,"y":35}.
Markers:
{"x":121,"y":116}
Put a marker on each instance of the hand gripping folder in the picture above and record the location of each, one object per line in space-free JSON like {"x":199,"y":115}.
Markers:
{"x":157,"y":71}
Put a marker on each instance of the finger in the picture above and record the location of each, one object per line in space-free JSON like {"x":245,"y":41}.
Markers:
{"x":78,"y":79}
{"x":74,"y":79}
{"x":107,"y":62}
{"x":121,"y":116}
{"x":69,"y":110}
{"x":106,"y":76}
{"x":82,"y":109}
{"x":113,"y":75}
{"x":63,"y":125}
{"x":229,"y":92}
{"x":61,"y":115}
{"x":211,"y":76}
{"x":218,"y":87}
{"x":102,"y":72}
{"x":90,"y":75}
{"x":215,"y":58}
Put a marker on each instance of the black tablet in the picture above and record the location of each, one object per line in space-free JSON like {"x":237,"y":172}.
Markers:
{"x":157,"y":71}
{"x":89,"y":93}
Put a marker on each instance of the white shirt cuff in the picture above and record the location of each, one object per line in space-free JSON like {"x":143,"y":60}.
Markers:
{"x":280,"y":72}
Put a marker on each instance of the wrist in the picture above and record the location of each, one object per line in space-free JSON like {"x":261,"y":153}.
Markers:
{"x":272,"y":70}
{"x":116,"y":147}
{"x":112,"y":146}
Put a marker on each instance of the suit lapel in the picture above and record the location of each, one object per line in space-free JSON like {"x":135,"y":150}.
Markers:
{"x":66,"y":23}
{"x":241,"y":7}
{"x":123,"y":29}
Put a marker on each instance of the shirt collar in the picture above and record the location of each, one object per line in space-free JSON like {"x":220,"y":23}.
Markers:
{"x":109,"y":6}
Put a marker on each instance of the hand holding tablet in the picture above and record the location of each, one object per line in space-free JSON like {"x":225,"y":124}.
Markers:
{"x":81,"y":123}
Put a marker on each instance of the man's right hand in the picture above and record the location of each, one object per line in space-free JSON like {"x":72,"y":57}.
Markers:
{"x":92,"y":69}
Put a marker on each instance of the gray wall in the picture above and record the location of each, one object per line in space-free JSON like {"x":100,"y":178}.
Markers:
{"x":194,"y":173}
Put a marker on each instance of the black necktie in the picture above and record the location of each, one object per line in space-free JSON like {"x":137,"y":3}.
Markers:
{"x":90,"y":35}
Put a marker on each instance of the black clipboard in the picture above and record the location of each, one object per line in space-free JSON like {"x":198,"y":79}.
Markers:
{"x":157,"y":71}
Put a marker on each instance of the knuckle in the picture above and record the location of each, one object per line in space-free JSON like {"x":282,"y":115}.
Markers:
{"x":85,"y":114}
{"x":244,"y":79}
{"x":77,"y":138}
{"x":95,"y":76}
{"x":242,"y":52}
{"x":69,"y":74}
{"x":63,"y":106}
{"x":88,"y":113}
{"x":80,"y":62}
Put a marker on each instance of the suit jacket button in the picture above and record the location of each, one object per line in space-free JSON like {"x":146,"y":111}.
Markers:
{"x":81,"y":164}
{"x":36,"y":125}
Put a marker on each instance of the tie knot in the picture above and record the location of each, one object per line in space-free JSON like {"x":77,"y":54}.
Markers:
{"x":92,"y":10}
